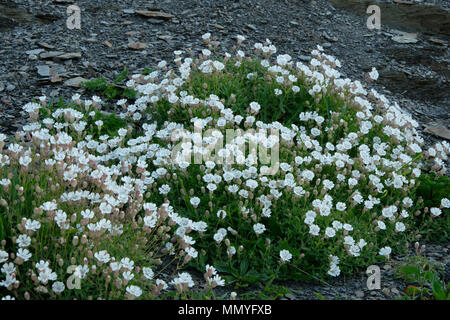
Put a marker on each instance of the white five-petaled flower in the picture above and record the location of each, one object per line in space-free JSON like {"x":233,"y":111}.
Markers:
{"x":385,"y":251}
{"x":259,"y":228}
{"x":135,"y":291}
{"x":285,"y":255}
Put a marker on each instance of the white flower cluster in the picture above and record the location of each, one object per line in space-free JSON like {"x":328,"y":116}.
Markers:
{"x":335,"y":167}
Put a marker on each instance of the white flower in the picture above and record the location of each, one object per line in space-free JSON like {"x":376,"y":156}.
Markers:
{"x":183,"y":278}
{"x":8,"y":268}
{"x":341,"y":206}
{"x":259,"y":228}
{"x":164,"y":189}
{"x":399,"y":227}
{"x":381,"y":225}
{"x":330,"y":232}
{"x":337,"y":225}
{"x":127,"y":275}
{"x":445,"y":203}
{"x":314,"y":230}
{"x":42,"y":265}
{"x":221,"y":214}
{"x":23,"y":241}
{"x":195,"y":201}
{"x":220,"y":235}
{"x":347,"y":227}
{"x":285,"y":255}
{"x":24,"y":254}
{"x":404,"y":214}
{"x":87,"y":214}
{"x":102,"y":256}
{"x":192,"y":252}
{"x":58,"y":287}
{"x":373,"y":74}
{"x":354,"y":250}
{"x":148,"y":273}
{"x":435,"y":211}
{"x":105,"y":208}
{"x":161,"y":283}
{"x":255,"y":107}
{"x":389,"y":211}
{"x":334,"y":270}
{"x":211,"y":269}
{"x":386,"y":251}
{"x":32,"y":225}
{"x":349,"y":240}
{"x":134,"y":291}
{"x":49,"y":206}
{"x":217,"y":280}
{"x":283,"y":59}
{"x":127,"y":263}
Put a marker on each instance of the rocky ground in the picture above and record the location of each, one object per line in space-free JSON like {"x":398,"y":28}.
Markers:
{"x":41,"y":56}
{"x":392,"y":286}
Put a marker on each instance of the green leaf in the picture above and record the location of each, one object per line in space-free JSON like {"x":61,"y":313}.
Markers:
{"x":410,"y":270}
{"x":438,"y":291}
{"x":122,"y":76}
{"x":318,"y":295}
{"x":244,"y":266}
{"x":413,"y":290}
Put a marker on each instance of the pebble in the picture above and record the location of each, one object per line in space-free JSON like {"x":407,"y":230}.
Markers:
{"x":155,"y":21}
{"x":34,"y":52}
{"x":75,"y":82}
{"x":386,"y":291}
{"x":304,"y":58}
{"x":2,"y":87}
{"x":54,"y":93}
{"x":50,"y":54}
{"x":290,"y":296}
{"x":70,"y":55}
{"x":43,"y":71}
{"x":10,"y":87}
{"x":359,"y":294}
